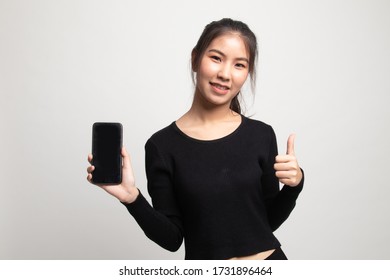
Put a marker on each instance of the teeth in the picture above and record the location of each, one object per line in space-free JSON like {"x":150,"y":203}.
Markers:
{"x":221,"y":87}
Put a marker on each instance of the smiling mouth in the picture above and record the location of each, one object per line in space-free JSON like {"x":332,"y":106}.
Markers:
{"x":218,"y":86}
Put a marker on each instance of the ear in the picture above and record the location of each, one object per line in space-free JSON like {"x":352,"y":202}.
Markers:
{"x":193,"y":59}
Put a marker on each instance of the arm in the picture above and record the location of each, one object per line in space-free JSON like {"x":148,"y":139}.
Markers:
{"x":280,"y":203}
{"x":162,"y":222}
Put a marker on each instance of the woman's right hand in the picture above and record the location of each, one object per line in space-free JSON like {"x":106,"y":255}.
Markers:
{"x":126,"y":191}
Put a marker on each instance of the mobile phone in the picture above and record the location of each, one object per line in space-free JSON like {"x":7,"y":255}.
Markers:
{"x":106,"y":152}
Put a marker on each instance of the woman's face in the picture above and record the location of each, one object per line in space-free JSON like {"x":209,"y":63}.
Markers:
{"x":223,"y":69}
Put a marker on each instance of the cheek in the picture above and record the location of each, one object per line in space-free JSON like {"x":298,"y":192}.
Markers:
{"x":240,"y":79}
{"x":207,"y":68}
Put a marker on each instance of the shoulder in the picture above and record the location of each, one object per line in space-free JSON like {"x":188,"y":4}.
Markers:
{"x":164,"y":137}
{"x":164,"y":132}
{"x":261,"y":136}
{"x":258,"y":126}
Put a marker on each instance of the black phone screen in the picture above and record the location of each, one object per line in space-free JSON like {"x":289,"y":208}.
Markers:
{"x":106,"y":152}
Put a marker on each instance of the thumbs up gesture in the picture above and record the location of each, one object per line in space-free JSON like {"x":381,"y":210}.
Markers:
{"x":286,"y":166}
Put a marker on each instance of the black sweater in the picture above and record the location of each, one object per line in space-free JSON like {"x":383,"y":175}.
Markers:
{"x":221,"y":196}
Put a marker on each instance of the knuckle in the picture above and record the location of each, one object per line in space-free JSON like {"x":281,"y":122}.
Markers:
{"x":293,"y":165}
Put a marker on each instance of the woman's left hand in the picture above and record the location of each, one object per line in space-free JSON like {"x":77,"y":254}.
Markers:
{"x":286,"y":166}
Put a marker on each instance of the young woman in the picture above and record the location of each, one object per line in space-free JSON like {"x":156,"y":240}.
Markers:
{"x":213,"y":174}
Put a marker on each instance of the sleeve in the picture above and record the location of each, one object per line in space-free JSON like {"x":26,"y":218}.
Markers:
{"x":162,"y":221}
{"x":279,"y":203}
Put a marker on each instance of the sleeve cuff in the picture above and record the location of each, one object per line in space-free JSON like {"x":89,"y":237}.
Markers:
{"x":137,"y":205}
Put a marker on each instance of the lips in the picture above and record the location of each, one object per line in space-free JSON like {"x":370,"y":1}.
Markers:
{"x":220,"y":88}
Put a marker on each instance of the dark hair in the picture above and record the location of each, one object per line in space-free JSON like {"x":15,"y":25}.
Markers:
{"x":219,"y":28}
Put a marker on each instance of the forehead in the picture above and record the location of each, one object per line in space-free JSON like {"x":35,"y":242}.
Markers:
{"x":231,"y":44}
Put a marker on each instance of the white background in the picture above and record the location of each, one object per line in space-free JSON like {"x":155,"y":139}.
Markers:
{"x":324,"y":69}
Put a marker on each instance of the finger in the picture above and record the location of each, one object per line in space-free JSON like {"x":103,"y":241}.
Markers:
{"x":290,"y":144}
{"x":292,"y":182}
{"x":283,"y":166}
{"x":89,"y":177}
{"x":285,"y":174}
{"x":287,"y":182}
{"x":90,"y":158}
{"x":284,"y":158}
{"x":90,"y":169}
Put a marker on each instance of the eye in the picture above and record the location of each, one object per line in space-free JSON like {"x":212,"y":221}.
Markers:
{"x":216,"y":58}
{"x":241,"y":65}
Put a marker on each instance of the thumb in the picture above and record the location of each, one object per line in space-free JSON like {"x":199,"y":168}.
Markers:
{"x":126,"y":158}
{"x":290,"y":144}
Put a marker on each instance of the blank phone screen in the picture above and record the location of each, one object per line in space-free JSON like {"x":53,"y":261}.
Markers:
{"x":106,"y":152}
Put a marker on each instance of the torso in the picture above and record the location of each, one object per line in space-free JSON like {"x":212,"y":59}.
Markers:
{"x":258,"y":256}
{"x":213,"y":131}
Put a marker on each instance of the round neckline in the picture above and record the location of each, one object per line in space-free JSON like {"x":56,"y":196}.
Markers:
{"x":174,"y":125}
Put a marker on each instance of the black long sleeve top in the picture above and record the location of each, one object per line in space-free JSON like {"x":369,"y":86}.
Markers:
{"x":221,"y":196}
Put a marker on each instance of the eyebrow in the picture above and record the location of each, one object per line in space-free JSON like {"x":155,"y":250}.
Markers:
{"x":221,"y":53}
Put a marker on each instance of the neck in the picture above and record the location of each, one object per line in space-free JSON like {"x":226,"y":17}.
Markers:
{"x":207,"y":113}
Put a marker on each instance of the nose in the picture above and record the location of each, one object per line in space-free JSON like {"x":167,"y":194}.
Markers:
{"x":224,"y":72}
